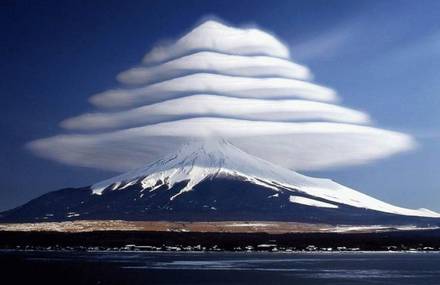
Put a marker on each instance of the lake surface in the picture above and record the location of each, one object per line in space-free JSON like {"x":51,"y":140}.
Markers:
{"x":44,"y":267}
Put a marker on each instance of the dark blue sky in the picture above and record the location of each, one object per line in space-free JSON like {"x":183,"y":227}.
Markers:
{"x":382,"y":57}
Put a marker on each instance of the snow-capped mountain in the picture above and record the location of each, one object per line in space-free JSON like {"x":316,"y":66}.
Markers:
{"x":213,"y":179}
{"x":196,"y":162}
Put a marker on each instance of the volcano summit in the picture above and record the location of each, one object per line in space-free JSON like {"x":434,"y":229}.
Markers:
{"x":216,"y":181}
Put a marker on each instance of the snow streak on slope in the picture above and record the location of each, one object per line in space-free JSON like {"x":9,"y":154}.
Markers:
{"x":310,"y":202}
{"x":201,"y":160}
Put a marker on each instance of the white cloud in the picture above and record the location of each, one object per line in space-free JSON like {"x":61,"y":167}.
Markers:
{"x":215,"y":36}
{"x":217,"y":106}
{"x":213,"y":62}
{"x":299,"y":146}
{"x":275,"y":118}
{"x":245,"y":87}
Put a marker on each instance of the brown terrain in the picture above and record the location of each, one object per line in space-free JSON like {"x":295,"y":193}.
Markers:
{"x":208,"y":227}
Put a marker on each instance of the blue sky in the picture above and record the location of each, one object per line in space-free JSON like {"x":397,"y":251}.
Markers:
{"x":382,"y":57}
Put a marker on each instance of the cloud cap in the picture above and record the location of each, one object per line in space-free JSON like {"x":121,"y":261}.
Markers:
{"x":221,"y":82}
{"x":215,"y":36}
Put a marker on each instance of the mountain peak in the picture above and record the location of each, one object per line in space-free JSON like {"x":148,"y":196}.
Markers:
{"x":212,"y":179}
{"x":194,"y":161}
{"x":200,"y":160}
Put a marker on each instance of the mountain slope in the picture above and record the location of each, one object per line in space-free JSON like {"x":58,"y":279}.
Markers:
{"x":214,"y":180}
{"x":195,"y":162}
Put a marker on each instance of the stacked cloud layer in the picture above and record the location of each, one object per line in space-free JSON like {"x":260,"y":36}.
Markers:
{"x":221,"y":82}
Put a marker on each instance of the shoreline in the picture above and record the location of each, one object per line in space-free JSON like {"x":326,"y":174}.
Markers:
{"x":323,"y":252}
{"x":409,"y":240}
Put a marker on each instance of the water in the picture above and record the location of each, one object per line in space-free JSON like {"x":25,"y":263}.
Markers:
{"x":218,"y":268}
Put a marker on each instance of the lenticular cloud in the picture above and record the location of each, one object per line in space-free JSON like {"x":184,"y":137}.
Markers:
{"x":220,"y":82}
